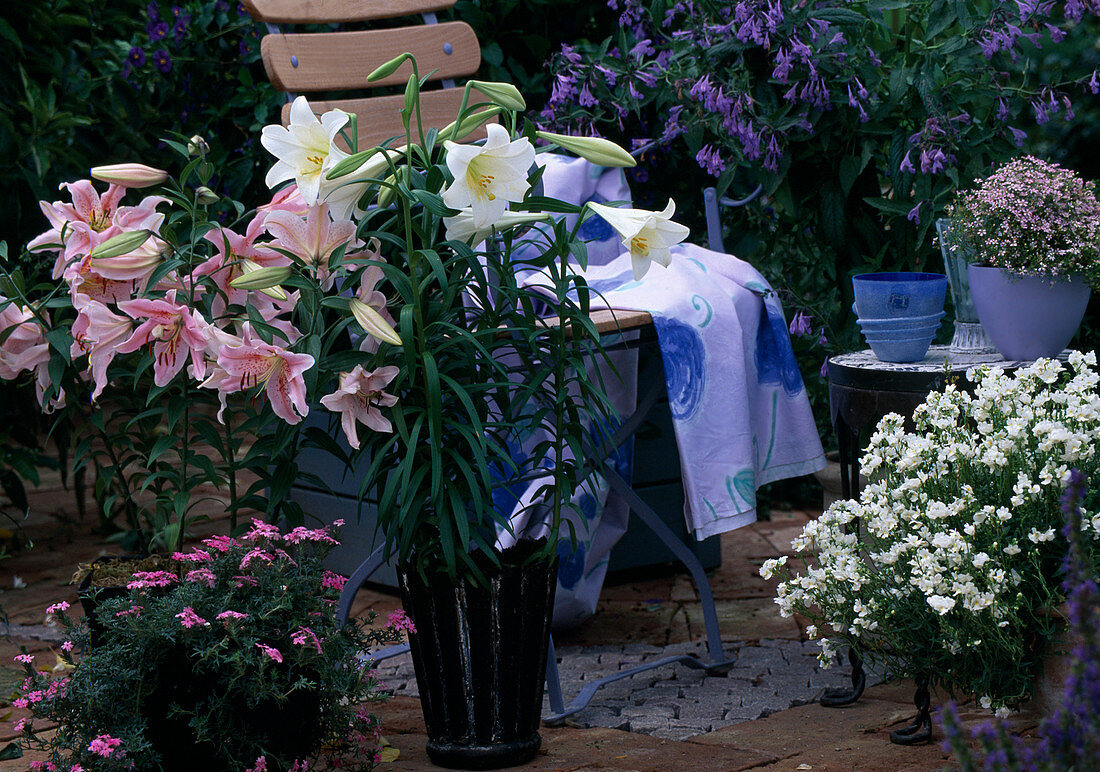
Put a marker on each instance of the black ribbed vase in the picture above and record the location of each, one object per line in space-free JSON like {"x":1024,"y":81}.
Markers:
{"x":480,"y":659}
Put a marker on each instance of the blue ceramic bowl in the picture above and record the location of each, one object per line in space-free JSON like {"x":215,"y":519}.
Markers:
{"x":899,"y":295}
{"x":906,"y":335}
{"x":901,"y":350}
{"x":911,"y":323}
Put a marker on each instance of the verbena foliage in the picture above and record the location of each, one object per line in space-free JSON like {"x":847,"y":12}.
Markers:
{"x":233,"y":655}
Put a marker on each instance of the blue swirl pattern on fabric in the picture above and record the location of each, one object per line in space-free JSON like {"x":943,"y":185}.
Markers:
{"x":570,"y":564}
{"x":595,"y":228}
{"x":775,"y":360}
{"x":684,"y":357}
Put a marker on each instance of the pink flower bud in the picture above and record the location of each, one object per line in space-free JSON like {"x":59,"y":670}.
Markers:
{"x":130,"y":175}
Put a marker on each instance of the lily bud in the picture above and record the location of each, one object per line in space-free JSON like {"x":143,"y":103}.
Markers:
{"x":387,"y":192}
{"x":373,"y":323}
{"x":205,"y":195}
{"x":197,"y":146}
{"x":504,"y":94}
{"x":129,"y":175}
{"x":599,"y":151}
{"x":389,"y":68}
{"x":470,"y":122}
{"x":266,"y":279}
{"x":122,"y":244}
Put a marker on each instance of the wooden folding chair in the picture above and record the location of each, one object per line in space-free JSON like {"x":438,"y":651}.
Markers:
{"x":339,"y":61}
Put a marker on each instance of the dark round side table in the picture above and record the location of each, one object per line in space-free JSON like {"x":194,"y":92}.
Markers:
{"x":862,"y":389}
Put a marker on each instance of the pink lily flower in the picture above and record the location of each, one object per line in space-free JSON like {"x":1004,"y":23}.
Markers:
{"x":224,"y":267}
{"x":279,"y":371}
{"x":173,"y":330}
{"x":289,"y":199}
{"x":99,"y":333}
{"x":367,"y":293}
{"x":25,"y":348}
{"x":312,"y":240}
{"x":358,"y":399}
{"x":88,"y":213}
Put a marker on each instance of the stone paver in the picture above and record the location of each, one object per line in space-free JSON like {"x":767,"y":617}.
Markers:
{"x":675,"y":701}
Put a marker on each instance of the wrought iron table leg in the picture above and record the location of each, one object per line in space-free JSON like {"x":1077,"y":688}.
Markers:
{"x":920,"y":731}
{"x":838,"y":698}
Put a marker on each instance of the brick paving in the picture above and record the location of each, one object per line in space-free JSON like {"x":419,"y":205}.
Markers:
{"x":760,"y":716}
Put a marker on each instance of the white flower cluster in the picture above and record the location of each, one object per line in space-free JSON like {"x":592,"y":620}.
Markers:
{"x":945,"y":547}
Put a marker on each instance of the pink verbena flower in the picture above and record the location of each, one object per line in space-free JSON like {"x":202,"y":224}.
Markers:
{"x":202,"y":575}
{"x":106,"y":746}
{"x":270,"y":651}
{"x":230,"y":616}
{"x":260,"y":765}
{"x":144,"y":580}
{"x":262,"y":530}
{"x":256,"y":554}
{"x":304,"y":636}
{"x":303,"y":534}
{"x":399,"y":620}
{"x":220,"y":543}
{"x":188,"y":618}
{"x":333,"y":581}
{"x":195,"y":556}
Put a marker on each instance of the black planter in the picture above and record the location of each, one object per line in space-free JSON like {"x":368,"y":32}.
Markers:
{"x":480,"y":659}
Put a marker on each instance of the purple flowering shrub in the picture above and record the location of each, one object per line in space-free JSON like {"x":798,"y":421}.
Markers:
{"x":1032,"y":217}
{"x":858,"y":119}
{"x":1070,"y":738}
{"x":231,"y":661}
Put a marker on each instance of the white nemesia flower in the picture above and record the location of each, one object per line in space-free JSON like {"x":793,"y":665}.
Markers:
{"x":648,"y":235}
{"x":941,"y":603}
{"x":305,"y":148}
{"x":489,"y":176}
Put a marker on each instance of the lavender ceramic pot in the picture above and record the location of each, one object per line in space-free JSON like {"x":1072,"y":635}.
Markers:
{"x":1027,"y":317}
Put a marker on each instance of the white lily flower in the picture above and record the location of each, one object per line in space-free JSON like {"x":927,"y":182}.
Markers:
{"x":487,"y":177}
{"x":306,"y":149}
{"x":461,"y":227}
{"x":648,"y":235}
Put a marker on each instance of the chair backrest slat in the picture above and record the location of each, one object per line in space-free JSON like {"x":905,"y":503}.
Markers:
{"x":329,"y":61}
{"x":330,"y":11}
{"x":380,"y":118}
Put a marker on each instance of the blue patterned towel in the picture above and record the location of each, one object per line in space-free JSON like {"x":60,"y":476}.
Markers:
{"x":739,"y":408}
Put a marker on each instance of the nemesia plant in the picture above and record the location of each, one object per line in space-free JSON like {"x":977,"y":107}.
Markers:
{"x":1033,"y":218}
{"x":947,"y":567}
{"x":1070,"y":737}
{"x":231,"y":660}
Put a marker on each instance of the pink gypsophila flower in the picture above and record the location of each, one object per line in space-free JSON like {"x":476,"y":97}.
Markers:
{"x":67,"y":646}
{"x":134,"y":611}
{"x":188,"y":618}
{"x":26,"y":659}
{"x":57,"y":608}
{"x":270,"y":651}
